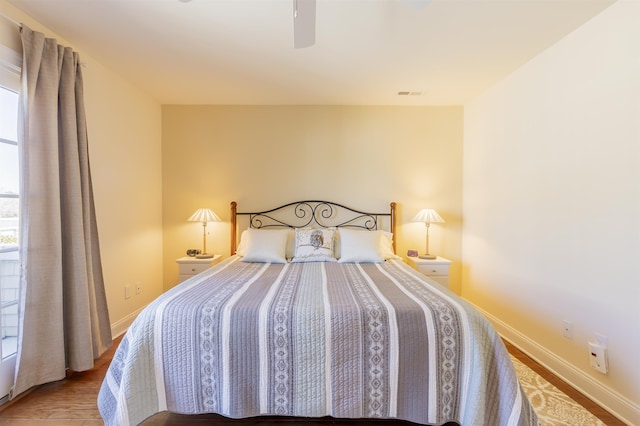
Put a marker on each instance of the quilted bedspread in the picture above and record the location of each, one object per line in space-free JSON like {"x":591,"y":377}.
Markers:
{"x":317,"y":339}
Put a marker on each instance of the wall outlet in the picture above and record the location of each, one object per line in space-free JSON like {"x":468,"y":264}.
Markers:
{"x":138,"y":288}
{"x":598,"y":357}
{"x":567,"y":329}
{"x":127,"y":291}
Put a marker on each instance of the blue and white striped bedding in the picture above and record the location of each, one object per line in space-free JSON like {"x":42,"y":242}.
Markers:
{"x":313,"y":339}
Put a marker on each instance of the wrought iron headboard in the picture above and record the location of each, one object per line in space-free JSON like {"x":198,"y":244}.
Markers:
{"x":312,"y":213}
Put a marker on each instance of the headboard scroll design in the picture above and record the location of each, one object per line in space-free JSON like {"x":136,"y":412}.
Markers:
{"x":312,"y":213}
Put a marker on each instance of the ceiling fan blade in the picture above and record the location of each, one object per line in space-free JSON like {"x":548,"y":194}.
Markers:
{"x":417,"y":4}
{"x":304,"y":23}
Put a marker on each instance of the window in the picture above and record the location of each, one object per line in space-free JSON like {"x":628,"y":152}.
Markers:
{"x":9,"y":223}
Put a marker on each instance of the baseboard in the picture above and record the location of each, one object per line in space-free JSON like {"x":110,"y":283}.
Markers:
{"x":120,"y":327}
{"x":607,"y":398}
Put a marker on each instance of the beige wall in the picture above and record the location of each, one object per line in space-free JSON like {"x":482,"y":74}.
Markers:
{"x":263,"y":156}
{"x":551,"y":189}
{"x":124,"y":148}
{"x":551,"y":205}
{"x":124,"y":134}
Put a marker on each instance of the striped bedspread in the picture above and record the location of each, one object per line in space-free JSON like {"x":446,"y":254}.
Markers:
{"x":313,"y":339}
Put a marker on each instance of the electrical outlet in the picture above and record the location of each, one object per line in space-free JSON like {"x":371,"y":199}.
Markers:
{"x":598,"y":357}
{"x":138,"y":288}
{"x":567,"y":329}
{"x":127,"y":291}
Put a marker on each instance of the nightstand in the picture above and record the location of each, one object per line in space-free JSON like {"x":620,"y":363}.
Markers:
{"x":437,"y":269}
{"x":190,"y":266}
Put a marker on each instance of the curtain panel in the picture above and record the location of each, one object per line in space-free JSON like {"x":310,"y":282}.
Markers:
{"x":64,"y":320}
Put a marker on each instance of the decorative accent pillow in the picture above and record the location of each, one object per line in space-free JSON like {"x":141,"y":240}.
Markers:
{"x":314,"y":245}
{"x":360,"y":246}
{"x":265,"y":245}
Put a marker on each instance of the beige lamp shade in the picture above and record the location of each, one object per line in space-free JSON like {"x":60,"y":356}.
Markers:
{"x":204,"y":216}
{"x":427,"y":216}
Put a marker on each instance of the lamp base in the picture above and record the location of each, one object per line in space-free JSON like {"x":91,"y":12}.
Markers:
{"x":204,"y":256}
{"x":422,"y":256}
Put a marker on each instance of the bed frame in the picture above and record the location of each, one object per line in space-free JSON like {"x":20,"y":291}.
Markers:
{"x":313,"y":213}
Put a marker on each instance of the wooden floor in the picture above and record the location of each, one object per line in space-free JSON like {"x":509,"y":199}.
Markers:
{"x":606,"y":417}
{"x":72,"y":402}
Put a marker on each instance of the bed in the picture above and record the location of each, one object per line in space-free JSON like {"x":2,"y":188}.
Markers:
{"x":313,"y":315}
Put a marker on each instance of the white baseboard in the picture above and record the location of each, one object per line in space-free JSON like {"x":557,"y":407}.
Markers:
{"x":618,"y":405}
{"x":120,"y":327}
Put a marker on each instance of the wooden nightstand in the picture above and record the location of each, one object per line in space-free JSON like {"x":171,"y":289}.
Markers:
{"x":436,"y":269}
{"x":190,"y":266}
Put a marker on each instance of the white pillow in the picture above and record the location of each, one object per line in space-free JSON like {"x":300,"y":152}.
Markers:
{"x":314,"y":245}
{"x":241,"y":250}
{"x":265,"y":245}
{"x":290,"y":249}
{"x":360,"y":246}
{"x":291,"y":243}
{"x":386,"y":246}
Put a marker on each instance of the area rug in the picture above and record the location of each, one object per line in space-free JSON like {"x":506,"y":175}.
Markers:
{"x":554,"y":407}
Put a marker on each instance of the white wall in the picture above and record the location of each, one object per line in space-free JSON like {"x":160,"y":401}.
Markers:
{"x":125,"y":154}
{"x":551,"y":194}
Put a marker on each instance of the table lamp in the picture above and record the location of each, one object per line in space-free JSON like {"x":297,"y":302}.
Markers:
{"x":204,"y":216}
{"x":427,"y":216}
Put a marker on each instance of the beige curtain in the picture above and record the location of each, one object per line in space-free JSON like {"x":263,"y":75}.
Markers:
{"x":64,"y":322}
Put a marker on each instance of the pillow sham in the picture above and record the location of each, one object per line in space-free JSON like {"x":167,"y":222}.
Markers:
{"x":314,"y":245}
{"x":386,"y":244}
{"x":290,"y":248}
{"x":241,"y":250}
{"x":360,"y":246}
{"x":291,"y":243}
{"x":265,"y":246}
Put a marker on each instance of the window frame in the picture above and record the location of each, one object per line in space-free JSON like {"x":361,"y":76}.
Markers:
{"x":10,"y":69}
{"x":4,"y":141}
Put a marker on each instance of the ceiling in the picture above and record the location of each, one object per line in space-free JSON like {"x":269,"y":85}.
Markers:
{"x":240,"y":52}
